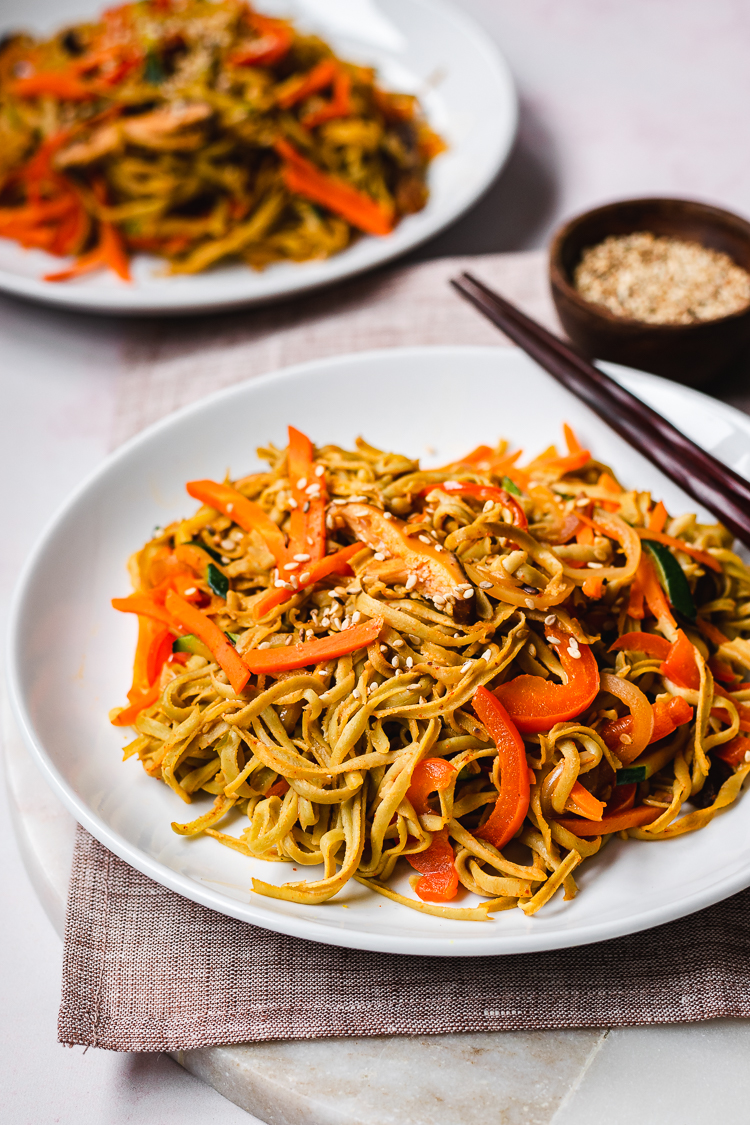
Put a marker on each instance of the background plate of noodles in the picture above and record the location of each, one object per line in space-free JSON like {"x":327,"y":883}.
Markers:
{"x":242,"y":155}
{"x":71,"y":654}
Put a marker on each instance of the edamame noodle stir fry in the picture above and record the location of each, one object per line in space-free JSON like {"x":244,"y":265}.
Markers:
{"x":480,"y":674}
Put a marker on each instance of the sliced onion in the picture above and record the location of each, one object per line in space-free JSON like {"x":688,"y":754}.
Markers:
{"x":640,"y":709}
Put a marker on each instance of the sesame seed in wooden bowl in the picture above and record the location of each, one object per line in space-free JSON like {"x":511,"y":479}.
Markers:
{"x":658,"y":284}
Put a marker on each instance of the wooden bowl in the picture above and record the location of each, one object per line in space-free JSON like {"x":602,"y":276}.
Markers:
{"x":688,"y":353}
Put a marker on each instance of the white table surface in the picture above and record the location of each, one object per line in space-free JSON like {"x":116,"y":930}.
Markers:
{"x":618,"y":99}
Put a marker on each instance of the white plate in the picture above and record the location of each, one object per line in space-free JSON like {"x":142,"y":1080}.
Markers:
{"x":427,"y":47}
{"x":71,"y":654}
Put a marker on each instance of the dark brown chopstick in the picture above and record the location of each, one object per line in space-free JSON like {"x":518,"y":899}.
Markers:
{"x":714,"y":485}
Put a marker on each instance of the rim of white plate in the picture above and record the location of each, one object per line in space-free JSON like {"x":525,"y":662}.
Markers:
{"x":412,"y":232}
{"x":497,"y":945}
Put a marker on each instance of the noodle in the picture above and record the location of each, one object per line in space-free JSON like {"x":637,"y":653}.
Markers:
{"x":484,"y":670}
{"x":199,"y":131}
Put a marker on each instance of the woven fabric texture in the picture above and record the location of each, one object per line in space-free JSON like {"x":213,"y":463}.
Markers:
{"x":147,"y":970}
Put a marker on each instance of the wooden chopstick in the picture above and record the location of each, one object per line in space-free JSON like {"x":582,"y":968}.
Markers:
{"x":714,"y":485}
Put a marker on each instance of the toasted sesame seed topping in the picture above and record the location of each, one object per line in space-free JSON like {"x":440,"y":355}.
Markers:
{"x":595,"y":566}
{"x":280,"y":584}
{"x":468,"y":594}
{"x":306,"y":506}
{"x":356,"y":617}
{"x":301,"y":558}
{"x":396,"y":661}
{"x":191,"y":590}
{"x":451,"y":484}
{"x":582,"y":502}
{"x":465,"y":667}
{"x":398,"y":643}
{"x":409,"y":662}
{"x":291,"y":566}
{"x":292,"y":502}
{"x":625,"y":739}
{"x":305,"y":577}
{"x":264,"y":644}
{"x":488,"y":506}
{"x":387,"y":515}
{"x":319,"y":470}
{"x":302,"y":483}
{"x":355,"y":693}
{"x":574,"y":653}
{"x":227,"y":544}
{"x":530,"y":603}
{"x":485,"y":585}
{"x":230,"y":507}
{"x":487,"y":654}
{"x":384,"y":648}
{"x":532,"y":650}
{"x":379,"y":556}
{"x":550,"y":619}
{"x":411,"y":582}
{"x":424,"y":539}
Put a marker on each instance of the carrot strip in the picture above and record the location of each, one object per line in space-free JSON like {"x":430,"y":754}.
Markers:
{"x":655,"y":597}
{"x":650,"y":643}
{"x":339,"y":106}
{"x":658,"y":517}
{"x":439,"y":882}
{"x":307,"y":529}
{"x":273,"y":42}
{"x":715,"y":635}
{"x":144,"y":606}
{"x":127,"y":716}
{"x":302,"y":85}
{"x":572,"y":442}
{"x":272,"y":660}
{"x":337,"y":563}
{"x":245,"y":513}
{"x":55,"y":84}
{"x":192,"y":620}
{"x":304,"y":178}
{"x":583,"y":803}
{"x":678,"y":545}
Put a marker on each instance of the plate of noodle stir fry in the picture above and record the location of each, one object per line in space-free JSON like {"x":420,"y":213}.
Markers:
{"x":171,"y":155}
{"x":488,"y":699}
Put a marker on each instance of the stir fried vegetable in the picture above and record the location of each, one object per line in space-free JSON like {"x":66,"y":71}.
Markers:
{"x":487,"y":677}
{"x":199,"y":131}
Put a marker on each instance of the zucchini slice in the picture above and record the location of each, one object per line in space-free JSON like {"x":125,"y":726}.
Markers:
{"x":218,"y":582}
{"x":672,"y":577}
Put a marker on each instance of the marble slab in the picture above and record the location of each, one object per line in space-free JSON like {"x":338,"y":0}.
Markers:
{"x":500,"y":1078}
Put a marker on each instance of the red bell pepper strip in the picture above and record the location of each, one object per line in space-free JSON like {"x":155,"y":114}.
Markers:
{"x":310,"y":573}
{"x":623,"y":798}
{"x":669,"y":714}
{"x":192,"y":620}
{"x":649,"y":643}
{"x":140,"y":702}
{"x":439,"y":882}
{"x":656,"y":599}
{"x":617,"y":822}
{"x":55,"y":84}
{"x":512,"y":802}
{"x":535,"y":704}
{"x":153,"y":649}
{"x":583,"y":803}
{"x":305,"y":526}
{"x":110,"y":252}
{"x":734,"y":752}
{"x":245,"y":513}
{"x":483,"y":492}
{"x":272,"y":660}
{"x":304,"y":178}
{"x":680,"y":666}
{"x":677,"y":545}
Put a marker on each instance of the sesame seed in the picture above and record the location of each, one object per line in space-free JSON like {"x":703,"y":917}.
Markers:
{"x":398,"y":643}
{"x":422,"y":700}
{"x":550,"y":619}
{"x":468,"y":594}
{"x":595,"y":566}
{"x":438,"y":599}
{"x":301,"y":558}
{"x":291,"y":566}
{"x":310,"y":540}
{"x":319,"y":470}
{"x":293,"y":503}
{"x":574,"y":653}
{"x":305,"y":577}
{"x":306,"y":506}
{"x":224,"y":559}
{"x":356,"y":617}
{"x":582,"y":502}
{"x":439,"y":547}
{"x":356,"y":500}
{"x":747,"y":755}
{"x":424,"y":539}
{"x":488,"y":506}
{"x":387,"y":515}
{"x":289,"y":639}
{"x":485,"y":585}
{"x":373,"y":687}
{"x":345,"y":623}
{"x":456,"y":636}
{"x":625,"y":739}
{"x":264,"y":644}
{"x":409,"y":662}
{"x":326,"y":622}
{"x":280,"y":584}
{"x":355,"y":693}
{"x":191,"y":590}
{"x":411,"y":582}
{"x":379,"y":556}
{"x":465,"y":667}
{"x":294,"y":581}
{"x":532,"y":650}
{"x":414,"y":640}
{"x":302,"y":483}
{"x":487,"y":654}
{"x":384,"y":648}
{"x":530,"y":603}
{"x":396,"y":661}
{"x":313,"y":490}
{"x":230,"y":507}
{"x":227,"y":544}
{"x":451,"y":484}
